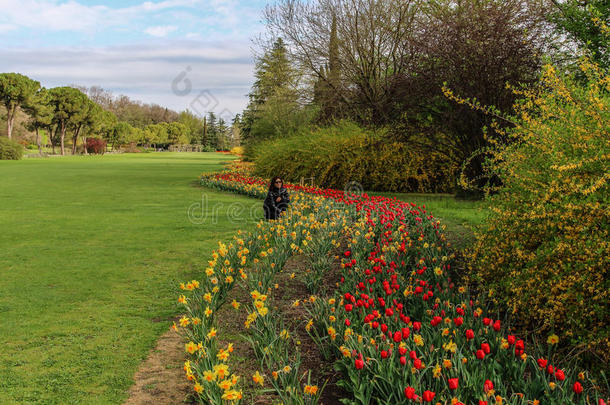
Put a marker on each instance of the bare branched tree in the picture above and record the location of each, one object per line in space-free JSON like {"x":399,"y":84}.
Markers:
{"x":374,"y":40}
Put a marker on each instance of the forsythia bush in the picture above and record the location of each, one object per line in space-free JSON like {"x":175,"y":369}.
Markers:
{"x":237,"y":150}
{"x":345,"y":153}
{"x":544,"y":252}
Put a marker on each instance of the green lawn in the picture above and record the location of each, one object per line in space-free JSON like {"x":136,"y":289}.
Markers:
{"x":91,"y":251}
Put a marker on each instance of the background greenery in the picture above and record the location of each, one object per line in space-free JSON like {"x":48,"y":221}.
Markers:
{"x":92,"y":251}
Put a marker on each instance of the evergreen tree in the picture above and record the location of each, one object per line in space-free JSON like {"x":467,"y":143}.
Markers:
{"x":235,"y":135}
{"x":15,"y":91}
{"x":222,"y":134}
{"x":68,"y":104}
{"x":327,"y":87}
{"x":276,"y":78}
{"x":211,"y":140}
{"x":41,"y":113}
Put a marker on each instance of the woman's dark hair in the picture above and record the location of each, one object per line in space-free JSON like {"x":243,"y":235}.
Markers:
{"x":272,"y":184}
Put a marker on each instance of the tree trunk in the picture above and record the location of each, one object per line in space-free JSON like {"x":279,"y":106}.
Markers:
{"x":51,"y":138}
{"x":75,"y":139}
{"x":10,"y":118}
{"x":85,"y":145}
{"x":62,"y":136}
{"x":38,"y":142}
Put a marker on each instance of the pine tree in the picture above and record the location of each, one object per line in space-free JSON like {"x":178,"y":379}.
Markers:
{"x":328,"y":84}
{"x":275,"y":78}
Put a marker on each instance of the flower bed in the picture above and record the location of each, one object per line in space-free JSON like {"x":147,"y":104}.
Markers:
{"x":395,"y":325}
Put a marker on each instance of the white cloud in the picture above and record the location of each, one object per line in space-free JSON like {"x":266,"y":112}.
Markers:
{"x":162,"y":5}
{"x":146,"y":72}
{"x":71,"y":15}
{"x":7,"y":27}
{"x":45,"y":14}
{"x":160,"y":30}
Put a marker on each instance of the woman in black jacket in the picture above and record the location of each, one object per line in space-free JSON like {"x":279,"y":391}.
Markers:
{"x":277,"y":199}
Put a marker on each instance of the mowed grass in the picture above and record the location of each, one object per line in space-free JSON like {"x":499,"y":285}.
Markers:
{"x":91,"y":252}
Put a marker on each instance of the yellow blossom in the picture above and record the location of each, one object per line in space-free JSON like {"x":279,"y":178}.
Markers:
{"x":209,"y":376}
{"x":258,"y":378}
{"x":190,"y":347}
{"x":221,"y":371}
{"x":232,"y":395}
{"x":225,"y":384}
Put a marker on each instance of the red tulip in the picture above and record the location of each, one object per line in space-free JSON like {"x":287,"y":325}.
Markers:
{"x":348,"y":307}
{"x":577,"y":388}
{"x":410,"y":392}
{"x":428,"y":396}
{"x":480,"y":354}
{"x":403,"y":360}
{"x":417,"y":364}
{"x":453,"y":383}
{"x":497,"y":325}
{"x":469,"y":334}
{"x":560,"y":375}
{"x":359,"y":364}
{"x":482,"y":402}
{"x":485,"y":347}
{"x":542,"y":363}
{"x":384,"y":354}
{"x":397,"y":337}
{"x":488,"y":386}
{"x":486,"y":321}
{"x":458,"y":321}
{"x":412,"y":355}
{"x":511,"y":339}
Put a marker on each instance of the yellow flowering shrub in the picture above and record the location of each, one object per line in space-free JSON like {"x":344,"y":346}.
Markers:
{"x":544,"y":252}
{"x":237,"y":150}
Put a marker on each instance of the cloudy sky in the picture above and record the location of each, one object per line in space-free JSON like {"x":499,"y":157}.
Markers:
{"x":181,"y":54}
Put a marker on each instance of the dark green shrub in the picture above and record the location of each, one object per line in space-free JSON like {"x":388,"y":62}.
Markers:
{"x":344,"y":153}
{"x":10,"y":150}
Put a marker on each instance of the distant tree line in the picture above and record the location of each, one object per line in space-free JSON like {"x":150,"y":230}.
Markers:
{"x":71,"y":114}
